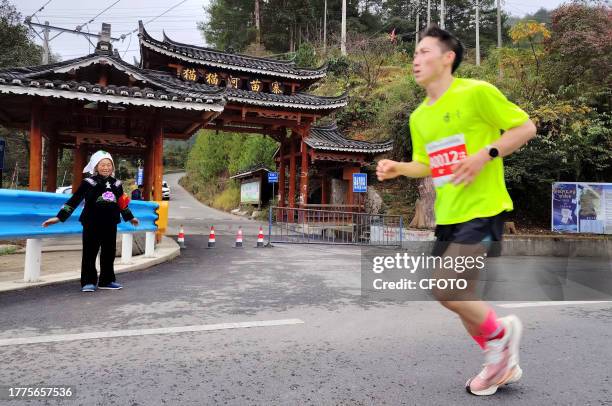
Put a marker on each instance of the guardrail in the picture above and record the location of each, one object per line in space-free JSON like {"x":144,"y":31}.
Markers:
{"x":308,"y":226}
{"x":22,"y":213}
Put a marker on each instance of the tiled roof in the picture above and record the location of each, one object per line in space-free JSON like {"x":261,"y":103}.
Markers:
{"x":163,"y":89}
{"x":251,"y":170}
{"x":297,"y":100}
{"x":226,"y":60}
{"x":331,"y":139}
{"x":43,"y":81}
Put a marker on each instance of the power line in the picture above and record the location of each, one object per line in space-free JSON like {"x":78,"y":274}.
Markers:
{"x":78,"y":28}
{"x":40,"y":9}
{"x":153,"y":19}
{"x":165,"y":12}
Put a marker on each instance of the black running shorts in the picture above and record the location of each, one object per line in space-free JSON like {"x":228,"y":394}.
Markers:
{"x":487,"y":230}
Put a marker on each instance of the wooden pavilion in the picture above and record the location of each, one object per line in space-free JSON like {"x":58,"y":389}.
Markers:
{"x":101,"y":102}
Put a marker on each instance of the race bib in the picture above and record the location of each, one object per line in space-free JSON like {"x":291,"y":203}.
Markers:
{"x":443,"y":154}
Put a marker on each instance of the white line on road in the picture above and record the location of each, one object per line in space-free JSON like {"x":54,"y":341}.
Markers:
{"x":558,"y":303}
{"x":184,"y":207}
{"x":144,"y":332}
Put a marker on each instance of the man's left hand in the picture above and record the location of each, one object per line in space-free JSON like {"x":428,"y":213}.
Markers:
{"x":467,"y":169}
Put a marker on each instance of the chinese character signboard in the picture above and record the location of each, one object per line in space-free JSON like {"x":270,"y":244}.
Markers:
{"x":189,"y":74}
{"x":250,"y":192}
{"x":212,"y":79}
{"x":276,"y":88}
{"x":255,"y":85}
{"x":360,"y":183}
{"x":272,"y":177}
{"x":234,"y":82}
{"x":140,"y":177}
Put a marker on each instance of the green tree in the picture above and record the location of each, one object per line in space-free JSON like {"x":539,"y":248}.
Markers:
{"x":229,"y":25}
{"x":16,"y":43}
{"x":580,"y":48}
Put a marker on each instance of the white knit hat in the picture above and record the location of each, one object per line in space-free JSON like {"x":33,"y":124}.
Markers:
{"x":95,"y":160}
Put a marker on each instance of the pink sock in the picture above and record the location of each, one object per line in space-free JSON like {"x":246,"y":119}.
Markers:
{"x":489,"y":329}
{"x":481,"y":341}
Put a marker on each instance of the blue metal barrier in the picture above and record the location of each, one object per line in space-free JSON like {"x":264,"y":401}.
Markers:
{"x":22,"y":213}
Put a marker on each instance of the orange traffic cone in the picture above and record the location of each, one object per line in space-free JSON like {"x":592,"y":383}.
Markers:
{"x":181,"y":237}
{"x":211,"y":237}
{"x":239,"y":238}
{"x":260,"y":238}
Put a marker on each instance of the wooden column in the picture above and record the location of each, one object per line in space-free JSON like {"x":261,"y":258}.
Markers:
{"x":292,"y":170}
{"x":304,"y":170}
{"x":148,"y":169}
{"x":35,"y":181}
{"x":347,"y":174}
{"x":281,"y":176}
{"x":52,"y":166}
{"x":158,"y":164}
{"x":78,"y":163}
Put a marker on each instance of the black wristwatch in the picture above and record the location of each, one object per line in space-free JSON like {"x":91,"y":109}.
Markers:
{"x":493,"y":151}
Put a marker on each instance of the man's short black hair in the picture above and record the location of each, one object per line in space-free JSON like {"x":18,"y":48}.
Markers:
{"x":448,"y":41}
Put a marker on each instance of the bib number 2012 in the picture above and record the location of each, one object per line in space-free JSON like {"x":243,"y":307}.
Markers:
{"x":443,"y":154}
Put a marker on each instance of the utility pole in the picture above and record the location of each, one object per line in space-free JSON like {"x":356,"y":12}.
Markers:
{"x":257,"y":22}
{"x":477,"y":33}
{"x":45,"y":55}
{"x":325,"y":30}
{"x":499,"y":37}
{"x":343,"y":34}
{"x":428,"y":12}
{"x":416,"y":30}
{"x":442,"y":14}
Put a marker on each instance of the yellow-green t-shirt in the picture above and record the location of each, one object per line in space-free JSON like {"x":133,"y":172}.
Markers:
{"x":465,"y":119}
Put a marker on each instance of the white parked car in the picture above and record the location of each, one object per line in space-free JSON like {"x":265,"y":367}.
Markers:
{"x":165,"y":191}
{"x":67,"y":190}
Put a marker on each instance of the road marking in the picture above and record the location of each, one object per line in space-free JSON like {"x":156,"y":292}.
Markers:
{"x":144,"y":332}
{"x":557,"y":303}
{"x":184,"y":207}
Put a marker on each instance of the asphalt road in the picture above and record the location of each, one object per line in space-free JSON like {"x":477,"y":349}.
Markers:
{"x":164,"y":339}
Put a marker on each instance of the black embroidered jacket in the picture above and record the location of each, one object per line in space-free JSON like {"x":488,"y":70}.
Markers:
{"x":101,"y":202}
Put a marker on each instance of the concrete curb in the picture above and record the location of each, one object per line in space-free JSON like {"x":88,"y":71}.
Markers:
{"x":167,"y":250}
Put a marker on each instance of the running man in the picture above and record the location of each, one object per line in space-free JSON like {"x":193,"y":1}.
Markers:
{"x":456,"y":139}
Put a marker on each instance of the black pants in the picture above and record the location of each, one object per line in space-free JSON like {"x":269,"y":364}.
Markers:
{"x":94,"y":238}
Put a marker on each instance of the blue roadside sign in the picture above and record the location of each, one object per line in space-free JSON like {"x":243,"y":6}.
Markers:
{"x":272,"y":177}
{"x":140,"y":177}
{"x":360,"y":183}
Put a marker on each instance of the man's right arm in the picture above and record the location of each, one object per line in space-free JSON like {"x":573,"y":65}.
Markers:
{"x":388,"y":169}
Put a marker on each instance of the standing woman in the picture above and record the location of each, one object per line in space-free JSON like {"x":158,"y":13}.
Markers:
{"x":104,"y":202}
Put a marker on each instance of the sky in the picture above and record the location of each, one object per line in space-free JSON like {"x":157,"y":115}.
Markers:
{"x":179,"y":23}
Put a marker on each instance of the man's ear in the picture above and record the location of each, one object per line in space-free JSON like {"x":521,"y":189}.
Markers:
{"x":450,"y":56}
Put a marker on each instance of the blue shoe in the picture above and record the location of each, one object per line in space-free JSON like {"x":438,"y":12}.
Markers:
{"x":88,"y":288}
{"x":111,"y":286}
